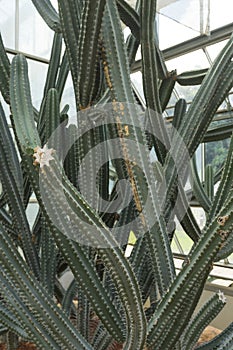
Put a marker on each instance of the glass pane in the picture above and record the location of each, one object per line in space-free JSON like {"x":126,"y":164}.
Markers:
{"x":136,"y":79}
{"x":37,"y":74}
{"x":191,"y":61}
{"x":220,"y":13}
{"x":7,"y":22}
{"x":35,"y":37}
{"x":215,"y":49}
{"x":5,"y":106}
{"x":172,"y":100}
{"x":181,"y":243}
{"x":69,"y":98}
{"x":55,"y":4}
{"x":31,"y":212}
{"x":199,"y":161}
{"x":167,"y":25}
{"x":199,"y":214}
{"x":182,"y":19}
{"x":132,"y":2}
{"x":187,"y":92}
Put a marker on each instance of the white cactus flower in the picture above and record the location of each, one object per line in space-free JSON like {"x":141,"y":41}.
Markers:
{"x":43,"y":155}
{"x":222,"y":296}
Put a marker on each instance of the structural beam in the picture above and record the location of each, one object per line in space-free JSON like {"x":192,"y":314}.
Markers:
{"x":193,"y":44}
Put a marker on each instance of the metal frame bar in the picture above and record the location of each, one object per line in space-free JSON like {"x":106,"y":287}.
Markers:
{"x":193,"y":44}
{"x":27,"y":55}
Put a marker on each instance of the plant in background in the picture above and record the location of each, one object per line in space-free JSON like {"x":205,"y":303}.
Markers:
{"x":96,"y":185}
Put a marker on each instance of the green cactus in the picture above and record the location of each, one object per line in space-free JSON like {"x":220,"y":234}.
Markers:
{"x":113,"y":301}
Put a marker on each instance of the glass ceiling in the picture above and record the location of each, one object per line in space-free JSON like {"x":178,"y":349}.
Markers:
{"x":177,"y":21}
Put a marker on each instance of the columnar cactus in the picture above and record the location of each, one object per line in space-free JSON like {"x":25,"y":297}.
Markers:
{"x":87,"y":212}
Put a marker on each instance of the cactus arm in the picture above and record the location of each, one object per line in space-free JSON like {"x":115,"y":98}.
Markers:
{"x":99,"y":82}
{"x":112,"y":256}
{"x":120,"y":87}
{"x":19,"y":311}
{"x":133,"y":39}
{"x":69,"y":295}
{"x":62,"y":75}
{"x":198,"y":189}
{"x":192,"y":77}
{"x":9,"y":147}
{"x":202,"y":256}
{"x":226,"y":250}
{"x":73,"y":158}
{"x":132,"y":48}
{"x":218,"y":96}
{"x":48,"y":259}
{"x":22,"y":105}
{"x":130,"y":17}
{"x":183,"y":213}
{"x":54,"y":63}
{"x":48,"y":13}
{"x":35,"y":298}
{"x":179,"y":112}
{"x":74,"y":254}
{"x":213,"y":89}
{"x":88,"y":45}
{"x":188,"y":220}
{"x":103,"y":174}
{"x":52,"y":116}
{"x":165,"y":90}
{"x":225,"y":185}
{"x":13,"y":190}
{"x":219,"y":132}
{"x":197,"y":119}
{"x":223,"y":341}
{"x":8,"y":320}
{"x":186,"y":310}
{"x":162,"y":68}
{"x":4,"y":72}
{"x":150,"y":77}
{"x":209,"y":182}
{"x":50,"y":80}
{"x":84,"y":313}
{"x":105,"y":98}
{"x":133,"y":42}
{"x":103,"y":341}
{"x":70,"y":16}
{"x":202,"y":319}
{"x":6,"y":221}
{"x":116,"y":68}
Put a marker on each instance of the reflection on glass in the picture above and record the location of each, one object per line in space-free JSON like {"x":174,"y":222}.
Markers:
{"x":7,"y":22}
